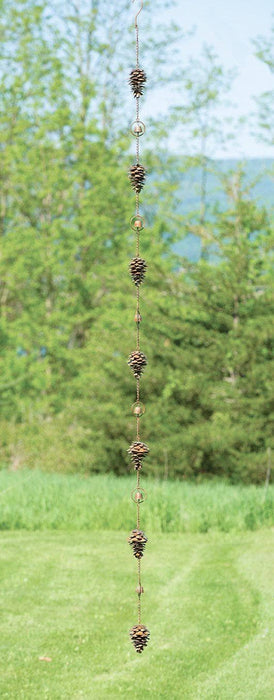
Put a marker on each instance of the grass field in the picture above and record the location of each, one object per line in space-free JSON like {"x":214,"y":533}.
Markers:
{"x":35,"y":500}
{"x":69,"y":598}
{"x":67,"y":590}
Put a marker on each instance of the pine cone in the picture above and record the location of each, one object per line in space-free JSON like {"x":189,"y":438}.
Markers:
{"x":137,"y":176}
{"x":137,"y":451}
{"x":137,"y":541}
{"x":137,"y":80}
{"x":139,"y":636}
{"x":137,"y":362}
{"x":137,"y":269}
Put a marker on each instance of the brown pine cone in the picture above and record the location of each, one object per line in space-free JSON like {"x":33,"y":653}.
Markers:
{"x":139,"y":636}
{"x":137,"y":176}
{"x":137,"y":80}
{"x":137,"y":269}
{"x":137,"y":362}
{"x":137,"y":541}
{"x":137,"y":451}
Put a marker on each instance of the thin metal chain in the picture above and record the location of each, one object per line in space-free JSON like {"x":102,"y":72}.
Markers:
{"x":138,"y":324}
{"x":137,"y":45}
{"x":137,"y":213}
{"x":139,"y":594}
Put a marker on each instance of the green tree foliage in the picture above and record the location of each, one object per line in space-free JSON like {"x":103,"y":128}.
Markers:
{"x":203,"y":85}
{"x":66,"y":299}
{"x":265,"y":52}
{"x":233,"y":318}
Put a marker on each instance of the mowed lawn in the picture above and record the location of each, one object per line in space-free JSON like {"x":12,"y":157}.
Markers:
{"x":68,"y":600}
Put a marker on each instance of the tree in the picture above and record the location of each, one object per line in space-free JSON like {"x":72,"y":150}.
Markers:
{"x":204,"y":86}
{"x":232,"y":303}
{"x":265,"y":53}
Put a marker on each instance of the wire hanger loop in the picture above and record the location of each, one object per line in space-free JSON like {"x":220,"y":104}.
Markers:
{"x":135,"y":21}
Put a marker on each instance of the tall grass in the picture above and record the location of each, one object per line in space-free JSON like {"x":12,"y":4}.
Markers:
{"x":35,"y":500}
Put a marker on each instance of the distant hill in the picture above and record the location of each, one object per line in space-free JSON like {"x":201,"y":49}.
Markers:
{"x":258,"y":171}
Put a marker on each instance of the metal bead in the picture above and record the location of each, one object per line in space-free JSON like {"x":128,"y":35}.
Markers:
{"x":139,"y":590}
{"x":137,"y":128}
{"x":137,"y":223}
{"x":138,"y":409}
{"x":138,"y":495}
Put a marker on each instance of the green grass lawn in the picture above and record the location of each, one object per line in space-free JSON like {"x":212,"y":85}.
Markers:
{"x":69,"y":596}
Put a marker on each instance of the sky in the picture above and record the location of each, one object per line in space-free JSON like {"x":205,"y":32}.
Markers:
{"x":229,"y":26}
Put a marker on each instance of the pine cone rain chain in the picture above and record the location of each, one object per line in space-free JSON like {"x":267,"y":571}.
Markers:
{"x":137,"y":360}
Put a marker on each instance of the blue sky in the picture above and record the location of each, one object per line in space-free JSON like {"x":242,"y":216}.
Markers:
{"x":229,"y":26}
